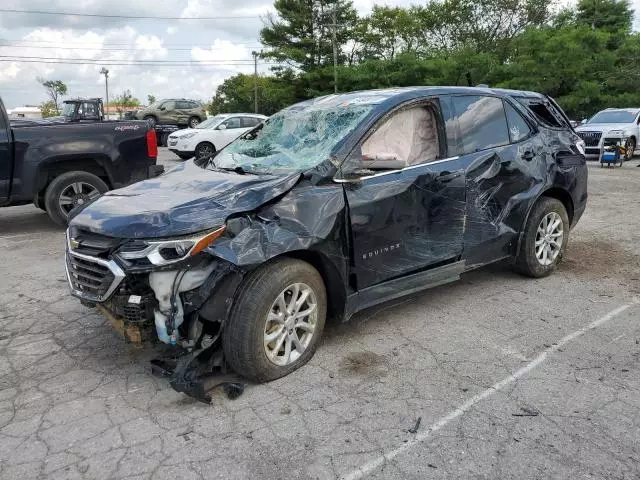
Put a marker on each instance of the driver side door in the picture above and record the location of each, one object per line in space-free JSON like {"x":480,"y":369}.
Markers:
{"x":406,"y":214}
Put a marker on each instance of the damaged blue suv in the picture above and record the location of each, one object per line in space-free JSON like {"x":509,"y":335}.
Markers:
{"x":329,"y":207}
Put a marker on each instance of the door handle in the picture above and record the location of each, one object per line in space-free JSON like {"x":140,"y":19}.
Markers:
{"x":528,"y":155}
{"x":446,"y":176}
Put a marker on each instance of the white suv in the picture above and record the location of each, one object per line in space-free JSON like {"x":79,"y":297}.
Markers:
{"x":212,"y":134}
{"x":611,"y":124}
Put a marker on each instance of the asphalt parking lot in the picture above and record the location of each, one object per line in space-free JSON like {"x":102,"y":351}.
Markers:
{"x":496,"y":376}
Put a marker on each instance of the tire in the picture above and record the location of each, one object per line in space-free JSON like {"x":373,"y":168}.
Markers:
{"x":193,"y":122}
{"x":204,"y":149}
{"x":243,"y":337}
{"x":151,"y":119}
{"x":527,"y":261}
{"x":91,"y":187}
{"x":631,"y":148}
{"x":183,"y":156}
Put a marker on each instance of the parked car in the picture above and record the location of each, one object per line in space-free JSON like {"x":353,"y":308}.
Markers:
{"x":329,"y":207}
{"x":59,"y":165}
{"x":175,"y":111}
{"x":212,"y":135}
{"x":611,"y":124}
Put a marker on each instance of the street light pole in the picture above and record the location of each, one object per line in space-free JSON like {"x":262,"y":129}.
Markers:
{"x":105,"y":72}
{"x":334,"y":43}
{"x":255,"y":80}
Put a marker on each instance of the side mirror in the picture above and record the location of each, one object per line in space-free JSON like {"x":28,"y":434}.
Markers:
{"x":222,"y":127}
{"x":162,"y":108}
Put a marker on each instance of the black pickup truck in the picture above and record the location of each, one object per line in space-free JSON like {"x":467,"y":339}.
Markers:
{"x":59,"y":165}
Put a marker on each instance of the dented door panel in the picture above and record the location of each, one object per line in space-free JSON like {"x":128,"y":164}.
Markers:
{"x":406,"y":221}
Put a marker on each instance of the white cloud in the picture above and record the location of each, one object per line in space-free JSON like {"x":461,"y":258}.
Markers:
{"x":172,"y":30}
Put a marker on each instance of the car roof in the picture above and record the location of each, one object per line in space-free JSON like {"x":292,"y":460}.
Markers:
{"x":240,"y":115}
{"x":401,"y":94}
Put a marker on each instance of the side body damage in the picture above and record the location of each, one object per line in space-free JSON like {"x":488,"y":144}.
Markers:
{"x":178,"y":248}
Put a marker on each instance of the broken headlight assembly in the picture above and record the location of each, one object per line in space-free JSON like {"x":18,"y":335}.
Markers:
{"x":166,"y":251}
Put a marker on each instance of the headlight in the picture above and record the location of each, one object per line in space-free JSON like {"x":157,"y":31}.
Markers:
{"x":580,"y":146}
{"x":188,"y":135}
{"x":164,"y":252}
{"x":617,"y":133}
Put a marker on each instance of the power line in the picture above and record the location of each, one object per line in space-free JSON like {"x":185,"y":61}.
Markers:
{"x":139,"y":17}
{"x":109,"y":44}
{"x":141,"y":63}
{"x":101,"y":48}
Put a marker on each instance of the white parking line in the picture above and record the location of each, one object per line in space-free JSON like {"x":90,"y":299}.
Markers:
{"x":379,"y":461}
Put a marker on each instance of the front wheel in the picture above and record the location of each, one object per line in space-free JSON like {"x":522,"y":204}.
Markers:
{"x":204,"y":149}
{"x":545,"y":238}
{"x":277,"y":320}
{"x":71,"y":190}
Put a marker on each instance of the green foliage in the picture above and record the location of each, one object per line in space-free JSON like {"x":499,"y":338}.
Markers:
{"x":151,"y":99}
{"x":236,"y":94}
{"x":55,"y":89}
{"x":584,"y":56}
{"x":48,"y":109}
{"x":124,"y":102}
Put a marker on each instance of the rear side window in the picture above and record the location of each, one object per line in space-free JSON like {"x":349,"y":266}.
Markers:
{"x":481,"y":122}
{"x":250,"y":121}
{"x":518,"y":127}
{"x":233,"y":122}
{"x":544,"y":112}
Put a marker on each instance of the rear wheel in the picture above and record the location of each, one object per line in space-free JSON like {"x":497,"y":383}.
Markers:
{"x":151,"y":119}
{"x":204,"y":149}
{"x":194,"y":122}
{"x":71,"y":190}
{"x":277,"y":320}
{"x":630,"y":148}
{"x":545,"y":239}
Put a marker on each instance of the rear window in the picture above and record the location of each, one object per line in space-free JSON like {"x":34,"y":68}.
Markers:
{"x":544,"y":112}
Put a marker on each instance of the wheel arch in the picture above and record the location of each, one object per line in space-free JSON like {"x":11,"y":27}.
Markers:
{"x":55,"y":167}
{"x":552,"y":192}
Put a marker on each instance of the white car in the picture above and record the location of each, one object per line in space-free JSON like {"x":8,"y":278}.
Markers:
{"x":212,"y":134}
{"x":609,"y":125}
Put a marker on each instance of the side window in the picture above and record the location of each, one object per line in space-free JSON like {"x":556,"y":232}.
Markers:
{"x":170,"y":105}
{"x":518,"y":127}
{"x":233,"y":122}
{"x":250,"y":121}
{"x":545,"y":113}
{"x":481,"y":122}
{"x":180,"y":105}
{"x":193,"y":105}
{"x":408,"y":137}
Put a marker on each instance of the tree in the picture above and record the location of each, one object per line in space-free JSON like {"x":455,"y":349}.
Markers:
{"x":236,"y":94}
{"x":48,"y":109}
{"x":124,"y":102}
{"x":612,"y":16}
{"x":301,"y":32}
{"x":151,"y":99}
{"x":55,"y":89}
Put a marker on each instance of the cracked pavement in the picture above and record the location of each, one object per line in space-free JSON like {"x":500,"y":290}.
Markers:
{"x":78,"y":403}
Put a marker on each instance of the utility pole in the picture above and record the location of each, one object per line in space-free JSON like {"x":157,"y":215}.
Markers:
{"x":255,"y":79}
{"x":105,"y":72}
{"x":334,"y":41}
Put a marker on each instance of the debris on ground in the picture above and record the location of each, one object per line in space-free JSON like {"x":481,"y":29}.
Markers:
{"x":415,"y":428}
{"x":526,"y":412}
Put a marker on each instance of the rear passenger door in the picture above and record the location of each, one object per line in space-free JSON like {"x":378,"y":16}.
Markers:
{"x":498,"y":146}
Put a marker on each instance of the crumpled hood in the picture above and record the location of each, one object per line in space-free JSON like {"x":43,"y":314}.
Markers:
{"x":604,"y":127}
{"x":185,"y":200}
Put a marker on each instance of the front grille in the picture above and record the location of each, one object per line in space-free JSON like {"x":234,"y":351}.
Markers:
{"x":91,"y":278}
{"x":92,"y":244}
{"x":591,"y":139}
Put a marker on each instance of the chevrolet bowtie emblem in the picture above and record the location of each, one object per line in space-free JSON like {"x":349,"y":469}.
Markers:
{"x":73,"y":243}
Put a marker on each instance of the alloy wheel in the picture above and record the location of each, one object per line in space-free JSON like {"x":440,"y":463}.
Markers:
{"x":549,"y":237}
{"x":290,"y":324}
{"x":77,"y":194}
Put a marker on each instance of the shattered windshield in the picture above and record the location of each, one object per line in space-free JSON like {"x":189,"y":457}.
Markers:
{"x":68,"y":109}
{"x":293,"y":139}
